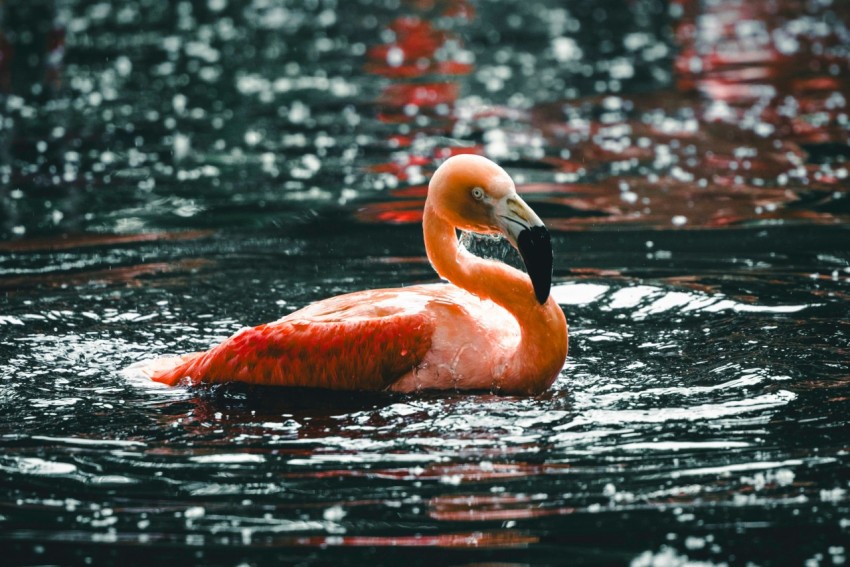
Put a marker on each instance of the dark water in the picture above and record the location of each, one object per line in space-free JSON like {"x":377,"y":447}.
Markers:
{"x":171,"y":172}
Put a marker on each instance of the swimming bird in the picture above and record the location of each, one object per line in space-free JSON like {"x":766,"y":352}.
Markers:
{"x":491,"y":327}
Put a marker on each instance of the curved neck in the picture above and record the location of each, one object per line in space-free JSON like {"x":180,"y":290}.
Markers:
{"x":488,"y":279}
{"x":543,"y":345}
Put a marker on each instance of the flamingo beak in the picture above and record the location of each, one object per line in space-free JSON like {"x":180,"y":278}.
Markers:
{"x":524,"y":229}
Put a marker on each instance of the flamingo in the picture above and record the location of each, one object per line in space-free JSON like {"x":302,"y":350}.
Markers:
{"x":492,"y":327}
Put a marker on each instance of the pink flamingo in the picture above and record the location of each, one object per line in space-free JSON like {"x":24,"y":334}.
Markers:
{"x":491,"y":328}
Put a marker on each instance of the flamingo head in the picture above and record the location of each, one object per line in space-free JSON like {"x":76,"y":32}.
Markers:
{"x":474,"y":194}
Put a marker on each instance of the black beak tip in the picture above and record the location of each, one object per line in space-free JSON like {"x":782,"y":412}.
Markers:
{"x":535,"y":247}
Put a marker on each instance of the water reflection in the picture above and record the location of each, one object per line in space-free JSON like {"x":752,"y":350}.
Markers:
{"x":171,"y":172}
{"x":774,"y":152}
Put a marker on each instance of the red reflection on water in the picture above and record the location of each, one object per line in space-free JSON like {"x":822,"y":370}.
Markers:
{"x":55,"y":54}
{"x":668,"y":202}
{"x":128,"y":275}
{"x":449,"y":474}
{"x":392,"y":212}
{"x":414,"y":52}
{"x":491,"y":539}
{"x":86,"y":240}
{"x":743,"y":53}
{"x":757,"y":123}
{"x":401,"y":102}
{"x":414,"y":191}
{"x":421,"y":95}
{"x":424,"y":62}
{"x":479,"y":507}
{"x":465,"y":473}
{"x":7,"y":52}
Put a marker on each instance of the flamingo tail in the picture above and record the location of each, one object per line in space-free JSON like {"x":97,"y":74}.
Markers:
{"x":170,"y":370}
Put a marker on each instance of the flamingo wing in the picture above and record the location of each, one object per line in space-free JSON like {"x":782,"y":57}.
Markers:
{"x":342,"y":353}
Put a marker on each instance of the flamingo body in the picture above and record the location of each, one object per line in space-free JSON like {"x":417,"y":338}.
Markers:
{"x":493,"y":327}
{"x":407,"y":339}
{"x":340,"y":344}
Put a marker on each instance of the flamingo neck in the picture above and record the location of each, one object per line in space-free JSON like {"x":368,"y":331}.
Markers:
{"x":543,"y":344}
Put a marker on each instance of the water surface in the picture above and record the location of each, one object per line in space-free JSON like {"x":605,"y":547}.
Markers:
{"x":172,"y":172}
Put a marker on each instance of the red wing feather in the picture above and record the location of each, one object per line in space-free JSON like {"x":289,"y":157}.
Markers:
{"x":341,"y":355}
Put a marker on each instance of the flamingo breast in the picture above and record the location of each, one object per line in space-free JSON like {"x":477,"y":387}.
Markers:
{"x":471,"y":345}
{"x":469,"y":340}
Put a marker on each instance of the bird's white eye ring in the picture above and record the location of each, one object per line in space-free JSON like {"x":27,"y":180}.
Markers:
{"x":477,"y":193}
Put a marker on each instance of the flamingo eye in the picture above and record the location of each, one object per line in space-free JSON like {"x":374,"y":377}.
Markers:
{"x":477,"y":193}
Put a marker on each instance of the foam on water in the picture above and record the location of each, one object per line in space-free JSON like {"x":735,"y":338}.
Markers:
{"x":173,"y":172}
